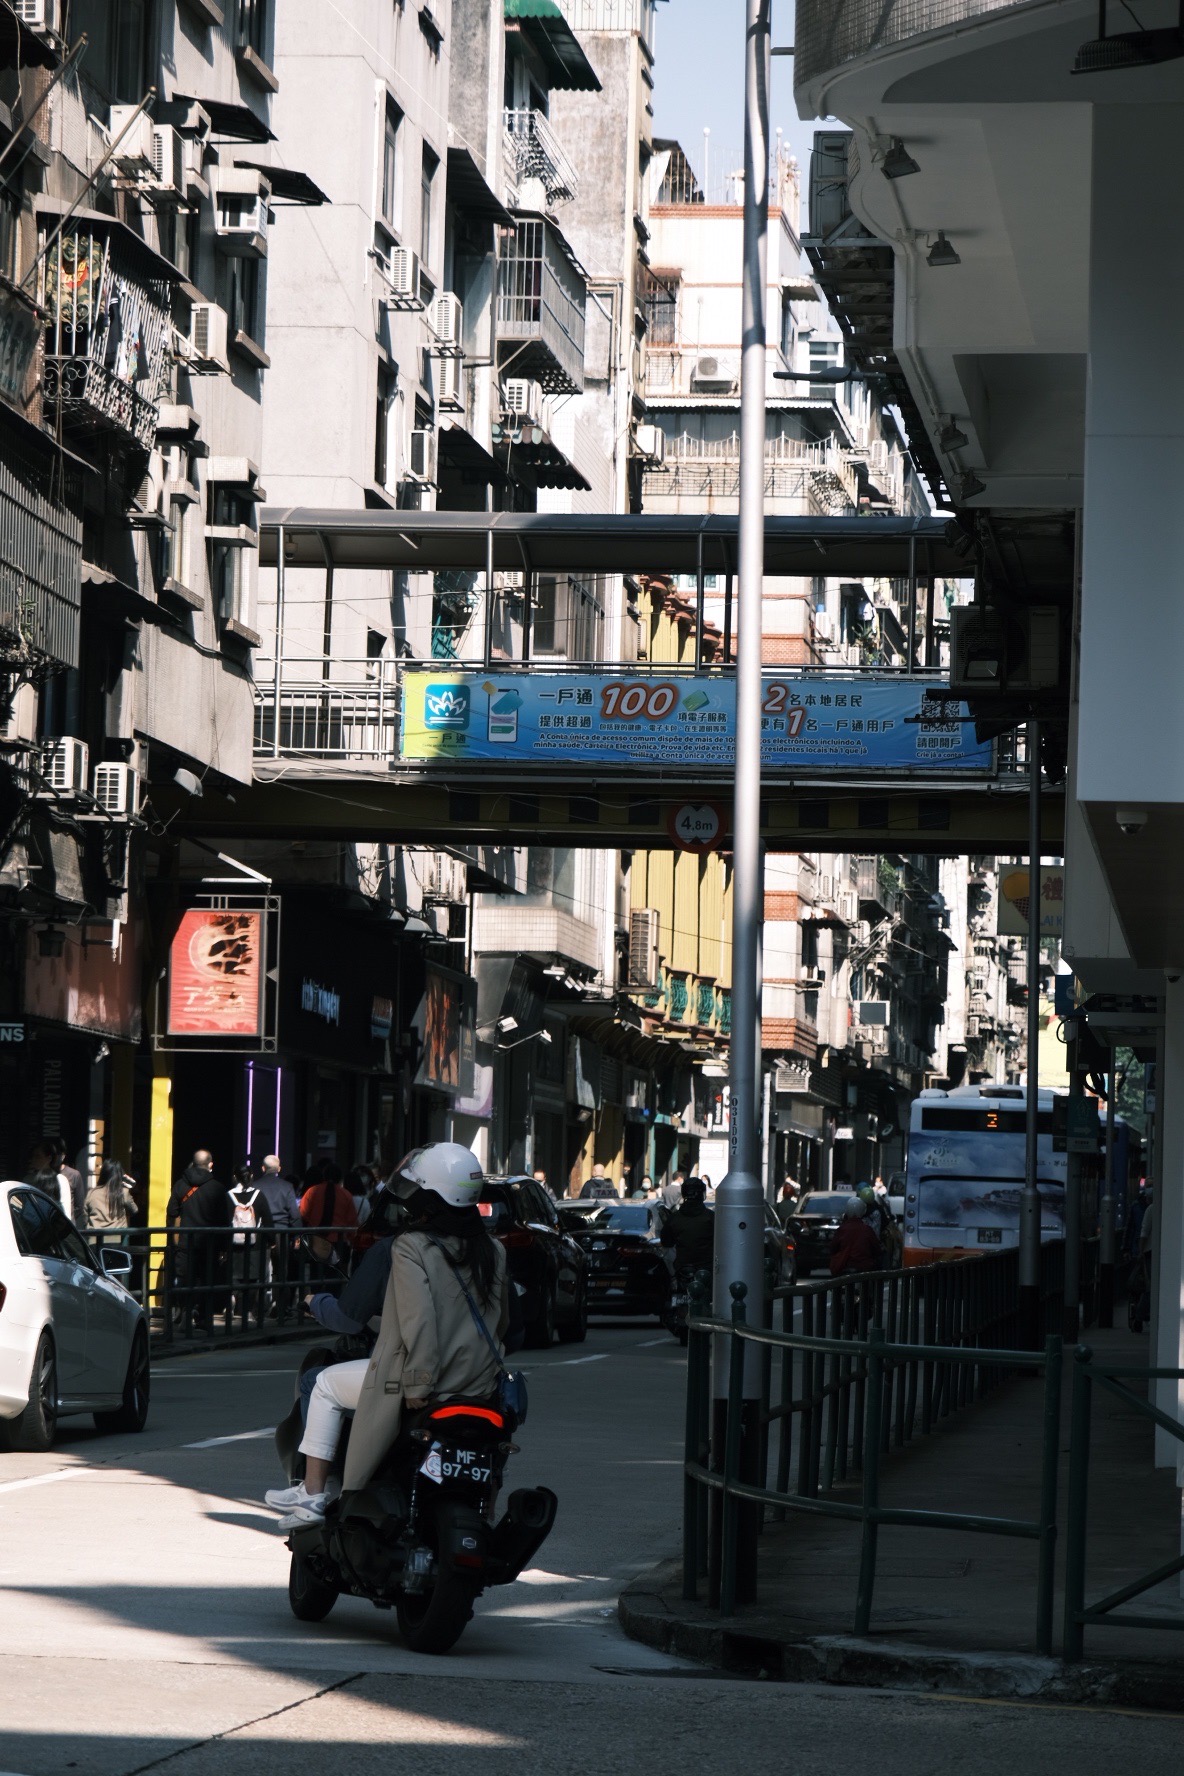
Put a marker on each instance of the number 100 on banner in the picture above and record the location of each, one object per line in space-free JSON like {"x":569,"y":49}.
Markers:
{"x":614,"y":718}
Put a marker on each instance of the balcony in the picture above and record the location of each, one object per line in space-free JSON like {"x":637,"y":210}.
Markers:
{"x":825,"y":36}
{"x":533,"y":152}
{"x":351,"y":715}
{"x":541,"y":295}
{"x":40,"y":560}
{"x":106,"y":296}
{"x":707,"y":472}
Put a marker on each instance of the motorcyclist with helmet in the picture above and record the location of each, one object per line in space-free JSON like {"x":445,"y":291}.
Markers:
{"x":690,"y":1229}
{"x":428,"y":1344}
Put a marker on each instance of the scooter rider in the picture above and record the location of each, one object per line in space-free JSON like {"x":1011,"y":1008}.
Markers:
{"x":428,"y":1343}
{"x":690,"y":1230}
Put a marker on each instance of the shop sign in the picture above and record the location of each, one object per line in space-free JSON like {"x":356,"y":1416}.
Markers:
{"x":808,"y":721}
{"x":382,"y":1017}
{"x":92,"y":985}
{"x":215,"y":974}
{"x":320,"y":1002}
{"x":11,"y":1033}
{"x":441,"y":1064}
{"x":1015,"y":902}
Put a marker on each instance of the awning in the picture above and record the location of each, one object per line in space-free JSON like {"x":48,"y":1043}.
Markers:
{"x":533,"y":456}
{"x":113,"y":597}
{"x":654,"y":543}
{"x":461,"y":451}
{"x":152,"y":264}
{"x":544,"y":26}
{"x":287,"y":185}
{"x":22,"y":48}
{"x":235,"y":123}
{"x":470,"y":191}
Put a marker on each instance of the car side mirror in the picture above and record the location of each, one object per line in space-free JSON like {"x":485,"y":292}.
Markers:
{"x":116,"y":1261}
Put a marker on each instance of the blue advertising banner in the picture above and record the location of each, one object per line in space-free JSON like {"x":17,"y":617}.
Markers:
{"x":809,"y":722}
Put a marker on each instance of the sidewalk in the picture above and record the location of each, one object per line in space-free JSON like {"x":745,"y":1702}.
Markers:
{"x":953,"y":1609}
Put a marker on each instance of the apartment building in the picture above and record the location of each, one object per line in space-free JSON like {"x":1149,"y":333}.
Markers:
{"x":139,"y":206}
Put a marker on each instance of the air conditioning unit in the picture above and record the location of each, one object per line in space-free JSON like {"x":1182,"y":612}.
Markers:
{"x":136,"y":152}
{"x":824,"y":628}
{"x":847,"y":906}
{"x":875,"y":1013}
{"x":712,"y":372}
{"x":446,"y":319}
{"x":421,"y":458}
{"x":401,"y":270}
{"x":241,"y":196}
{"x":651,"y":443}
{"x":450,"y":393}
{"x":168,"y":160}
{"x":207,"y":337}
{"x":644,"y":927}
{"x":523,"y":399}
{"x":39,"y":15}
{"x":117,"y":789}
{"x":64,"y":765}
{"x":445,"y":877}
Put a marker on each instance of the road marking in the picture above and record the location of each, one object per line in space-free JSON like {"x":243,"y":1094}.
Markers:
{"x":570,"y":1362}
{"x":40,"y":1479}
{"x":209,"y":1375}
{"x":650,"y":1343}
{"x":239,"y":1437}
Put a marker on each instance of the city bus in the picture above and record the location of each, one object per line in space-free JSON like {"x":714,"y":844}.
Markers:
{"x":965,"y":1172}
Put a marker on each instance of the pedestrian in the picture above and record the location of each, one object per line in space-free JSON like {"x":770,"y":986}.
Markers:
{"x":111,"y":1203}
{"x":855,"y":1247}
{"x":672,"y":1195}
{"x":250,"y":1218}
{"x":283,"y":1206}
{"x":876,"y":1210}
{"x":598,"y":1186}
{"x":42,"y":1172}
{"x":73,"y":1178}
{"x":540,"y":1177}
{"x":200,"y":1209}
{"x":789,"y":1189}
{"x":327,"y":1210}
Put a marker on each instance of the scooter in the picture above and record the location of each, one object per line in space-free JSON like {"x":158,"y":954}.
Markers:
{"x":420,"y":1537}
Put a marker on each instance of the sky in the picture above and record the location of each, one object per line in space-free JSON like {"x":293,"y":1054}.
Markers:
{"x":699,"y":80}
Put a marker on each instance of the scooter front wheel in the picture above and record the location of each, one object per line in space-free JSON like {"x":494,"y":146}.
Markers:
{"x":311,"y":1598}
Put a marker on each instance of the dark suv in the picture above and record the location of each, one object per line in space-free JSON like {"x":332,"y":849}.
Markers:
{"x":547,"y":1267}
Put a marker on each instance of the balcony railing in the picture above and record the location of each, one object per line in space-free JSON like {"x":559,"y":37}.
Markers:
{"x":695,"y":468}
{"x":827,"y":35}
{"x":534,"y":153}
{"x":90,"y":394}
{"x":40,"y":568}
{"x":352,"y":714}
{"x":541,"y":296}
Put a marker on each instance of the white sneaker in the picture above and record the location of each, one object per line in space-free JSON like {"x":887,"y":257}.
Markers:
{"x":292,"y":1498}
{"x":312,"y":1512}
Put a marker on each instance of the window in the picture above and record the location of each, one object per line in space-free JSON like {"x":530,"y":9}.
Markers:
{"x":31,"y":1224}
{"x":824,"y":355}
{"x":242,"y":297}
{"x":10,"y":212}
{"x":567,"y":617}
{"x":391,"y":166}
{"x":384,"y":402}
{"x":230,"y":511}
{"x":661,"y":310}
{"x":427,"y":182}
{"x":252,"y":27}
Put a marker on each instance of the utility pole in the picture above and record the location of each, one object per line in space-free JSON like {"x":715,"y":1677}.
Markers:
{"x":1107,"y":1253}
{"x":1031,"y":1331}
{"x":739,"y":1203}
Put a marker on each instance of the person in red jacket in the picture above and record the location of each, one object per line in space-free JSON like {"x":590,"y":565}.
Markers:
{"x":326,"y":1208}
{"x":855,"y":1246}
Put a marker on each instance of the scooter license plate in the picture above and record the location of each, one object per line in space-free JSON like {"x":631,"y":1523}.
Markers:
{"x":449,"y":1462}
{"x":680,"y":1300}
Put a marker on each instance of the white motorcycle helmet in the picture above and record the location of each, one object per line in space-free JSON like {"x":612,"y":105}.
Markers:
{"x":446,"y":1168}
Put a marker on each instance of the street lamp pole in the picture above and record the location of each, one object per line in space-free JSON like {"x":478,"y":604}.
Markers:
{"x":739,"y":1203}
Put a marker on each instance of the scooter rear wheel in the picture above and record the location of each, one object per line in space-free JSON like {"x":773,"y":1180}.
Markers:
{"x":433,"y":1621}
{"x":311,"y":1599}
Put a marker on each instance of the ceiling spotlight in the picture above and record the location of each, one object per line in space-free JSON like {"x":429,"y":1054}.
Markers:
{"x":942,"y":252}
{"x":188,"y":781}
{"x":951,"y":436}
{"x":970,"y":485}
{"x":1130,"y":49}
{"x":898,"y":163}
{"x":507,"y":1025}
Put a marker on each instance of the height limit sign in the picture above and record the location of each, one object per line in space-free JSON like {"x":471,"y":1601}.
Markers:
{"x":697,"y":826}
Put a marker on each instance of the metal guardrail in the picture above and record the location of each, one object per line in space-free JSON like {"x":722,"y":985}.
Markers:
{"x":881,"y":1358}
{"x":353,"y":712}
{"x":1112,"y":1378}
{"x":210,"y":1282}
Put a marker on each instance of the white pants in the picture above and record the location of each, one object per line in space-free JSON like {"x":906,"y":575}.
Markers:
{"x":337,"y":1392}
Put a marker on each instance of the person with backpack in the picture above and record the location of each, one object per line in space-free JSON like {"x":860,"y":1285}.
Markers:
{"x":328,"y":1212}
{"x":250,"y":1219}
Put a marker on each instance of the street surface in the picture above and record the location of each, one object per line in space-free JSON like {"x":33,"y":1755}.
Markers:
{"x":145,"y":1620}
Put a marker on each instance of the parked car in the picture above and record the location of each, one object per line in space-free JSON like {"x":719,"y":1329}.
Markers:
{"x":814,"y":1221}
{"x":781,"y":1255}
{"x":545,"y":1262}
{"x":72,"y":1340}
{"x":627,"y":1268}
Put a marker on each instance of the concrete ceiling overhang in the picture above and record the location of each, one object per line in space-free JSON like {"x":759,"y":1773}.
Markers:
{"x":1001,"y":131}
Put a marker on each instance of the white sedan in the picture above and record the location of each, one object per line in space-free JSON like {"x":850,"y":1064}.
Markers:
{"x":72,"y":1339}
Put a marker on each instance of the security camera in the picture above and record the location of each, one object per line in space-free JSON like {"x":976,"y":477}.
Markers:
{"x":1131,"y":820}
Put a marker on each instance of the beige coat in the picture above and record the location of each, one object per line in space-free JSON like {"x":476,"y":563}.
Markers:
{"x":99,"y":1215}
{"x":428,"y":1345}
